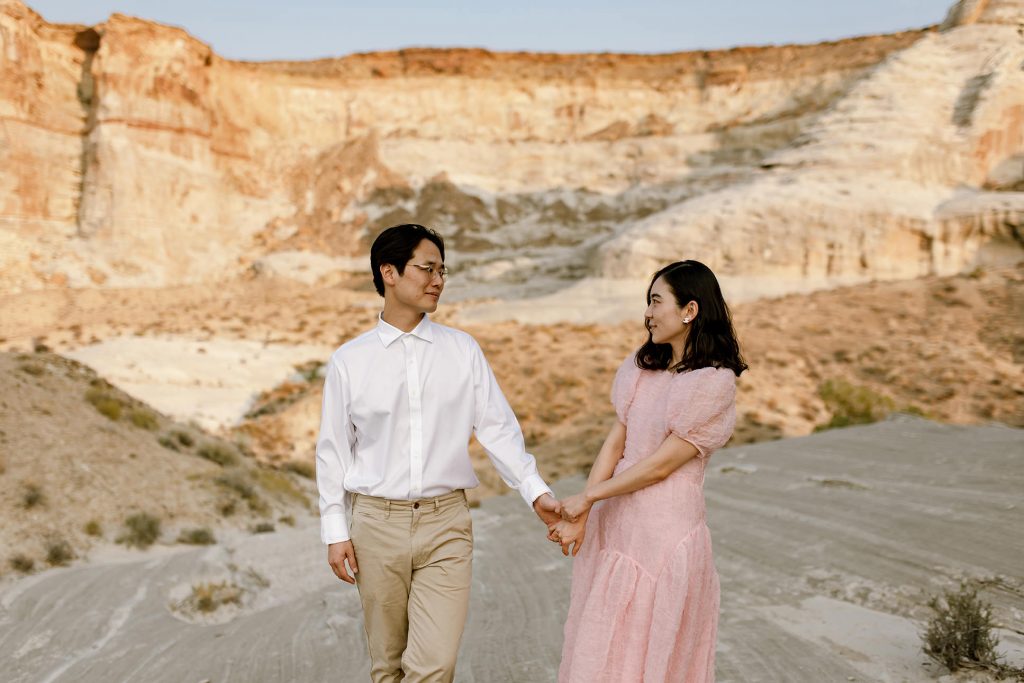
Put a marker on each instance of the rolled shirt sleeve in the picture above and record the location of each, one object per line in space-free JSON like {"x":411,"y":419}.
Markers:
{"x":498,"y":431}
{"x":334,"y":455}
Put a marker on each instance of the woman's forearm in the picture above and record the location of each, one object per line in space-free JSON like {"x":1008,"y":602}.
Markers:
{"x":670,"y":456}
{"x":609,"y":455}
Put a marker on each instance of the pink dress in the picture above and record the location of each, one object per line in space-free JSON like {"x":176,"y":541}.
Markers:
{"x":644,"y":603}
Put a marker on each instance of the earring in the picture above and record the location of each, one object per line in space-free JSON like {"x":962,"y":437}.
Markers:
{"x":686,"y":321}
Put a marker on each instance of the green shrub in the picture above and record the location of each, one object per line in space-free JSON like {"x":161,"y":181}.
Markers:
{"x":227,"y":507}
{"x":58,"y":553}
{"x":263,"y":528}
{"x":32,"y":496}
{"x":22,"y":563}
{"x":852,"y":405}
{"x":143,"y":418}
{"x":141,"y":530}
{"x":93,"y":528}
{"x":184,"y":438}
{"x":218,"y":453}
{"x":107,"y":405}
{"x":201,"y":536}
{"x":168,"y":443}
{"x":961,"y":631}
{"x":287,"y":519}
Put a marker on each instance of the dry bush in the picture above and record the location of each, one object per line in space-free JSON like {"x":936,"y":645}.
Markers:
{"x":22,"y":563}
{"x":287,"y":519}
{"x":263,"y":528}
{"x":279,"y":484}
{"x":202,"y":536}
{"x":852,"y":405}
{"x":93,"y":528}
{"x":141,"y":530}
{"x":58,"y":553}
{"x":168,"y":442}
{"x":208,"y":597}
{"x":242,"y":484}
{"x":218,"y":453}
{"x":33,"y":369}
{"x":961,"y":634}
{"x":32,"y":496}
{"x":301,"y":468}
{"x":184,"y":438}
{"x":108,"y":405}
{"x":143,"y":419}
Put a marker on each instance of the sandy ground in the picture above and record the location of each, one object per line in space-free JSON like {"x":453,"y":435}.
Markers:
{"x":827,"y":548}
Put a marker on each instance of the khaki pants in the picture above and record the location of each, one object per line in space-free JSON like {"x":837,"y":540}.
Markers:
{"x":415,"y":569}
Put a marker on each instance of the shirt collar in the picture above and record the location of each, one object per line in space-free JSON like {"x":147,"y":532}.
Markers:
{"x":389,"y":333}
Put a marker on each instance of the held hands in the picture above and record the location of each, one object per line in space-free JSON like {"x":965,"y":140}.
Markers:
{"x":567,"y":527}
{"x":575,"y":507}
{"x":569,"y":534}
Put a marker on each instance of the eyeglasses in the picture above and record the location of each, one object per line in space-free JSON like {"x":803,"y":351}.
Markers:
{"x":433,"y":270}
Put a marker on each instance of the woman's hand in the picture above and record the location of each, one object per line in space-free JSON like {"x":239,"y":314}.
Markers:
{"x":570,"y":534}
{"x":574,"y":507}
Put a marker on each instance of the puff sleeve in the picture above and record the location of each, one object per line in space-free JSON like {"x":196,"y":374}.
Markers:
{"x":702,"y":408}
{"x":624,"y":387}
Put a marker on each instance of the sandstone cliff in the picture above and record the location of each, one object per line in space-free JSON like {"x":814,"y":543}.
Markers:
{"x":134,"y":156}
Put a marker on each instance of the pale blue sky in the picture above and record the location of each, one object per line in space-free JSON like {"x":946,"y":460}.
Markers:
{"x":308,"y":29}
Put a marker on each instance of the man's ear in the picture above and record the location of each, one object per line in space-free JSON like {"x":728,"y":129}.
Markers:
{"x":388,"y":273}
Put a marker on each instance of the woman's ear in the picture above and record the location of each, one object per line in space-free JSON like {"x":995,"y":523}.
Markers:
{"x":692,"y":309}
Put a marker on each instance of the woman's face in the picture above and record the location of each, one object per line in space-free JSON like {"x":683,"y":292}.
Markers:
{"x":664,"y":316}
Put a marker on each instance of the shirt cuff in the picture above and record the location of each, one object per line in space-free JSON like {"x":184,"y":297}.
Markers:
{"x":532,"y":488}
{"x":333,"y":529}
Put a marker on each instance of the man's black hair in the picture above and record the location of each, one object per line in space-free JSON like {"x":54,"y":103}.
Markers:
{"x":396,"y":245}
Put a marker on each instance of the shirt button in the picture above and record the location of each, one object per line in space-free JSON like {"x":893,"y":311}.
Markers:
{"x":415,"y":506}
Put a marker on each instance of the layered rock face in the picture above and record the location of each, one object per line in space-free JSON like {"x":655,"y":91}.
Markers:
{"x":134,"y":156}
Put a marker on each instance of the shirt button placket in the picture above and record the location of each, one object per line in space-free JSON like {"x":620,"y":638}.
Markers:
{"x":412,"y":382}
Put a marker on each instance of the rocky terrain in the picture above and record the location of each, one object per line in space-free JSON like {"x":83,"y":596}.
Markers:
{"x":135,"y":156}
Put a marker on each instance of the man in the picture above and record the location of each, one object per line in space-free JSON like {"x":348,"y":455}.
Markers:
{"x":400,"y":403}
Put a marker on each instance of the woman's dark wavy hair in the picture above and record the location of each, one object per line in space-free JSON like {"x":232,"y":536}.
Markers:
{"x":712,"y":339}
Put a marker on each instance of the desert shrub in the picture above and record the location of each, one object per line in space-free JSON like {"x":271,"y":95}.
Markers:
{"x":93,"y":528}
{"x":201,"y":536}
{"x":227,"y":507}
{"x":218,"y":453}
{"x":58,"y":553}
{"x":32,"y":496}
{"x":109,"y":406}
{"x":280,"y":485}
{"x":243,"y":485}
{"x":961,"y":631}
{"x":184,"y":438}
{"x":32,"y":369}
{"x":208,"y":597}
{"x":287,"y":519}
{"x":301,"y":468}
{"x":263,"y":528}
{"x":168,"y":442}
{"x":143,"y":419}
{"x":22,"y":563}
{"x":852,"y":405}
{"x":140,"y":530}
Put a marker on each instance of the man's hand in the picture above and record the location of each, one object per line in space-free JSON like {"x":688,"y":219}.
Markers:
{"x":337,"y":553}
{"x":548,"y":509}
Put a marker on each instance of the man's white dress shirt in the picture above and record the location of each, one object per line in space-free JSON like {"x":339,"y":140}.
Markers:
{"x":398,"y":412}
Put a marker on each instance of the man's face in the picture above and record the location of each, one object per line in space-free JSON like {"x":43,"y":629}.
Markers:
{"x":416,"y":288}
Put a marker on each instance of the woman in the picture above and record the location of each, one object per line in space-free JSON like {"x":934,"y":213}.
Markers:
{"x":644,"y":601}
